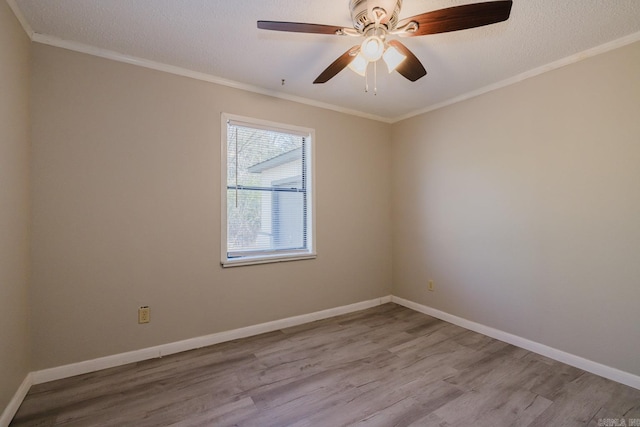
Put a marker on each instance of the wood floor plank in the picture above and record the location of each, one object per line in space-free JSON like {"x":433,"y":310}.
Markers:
{"x":500,"y":406}
{"x":384,"y":366}
{"x":580,"y":401}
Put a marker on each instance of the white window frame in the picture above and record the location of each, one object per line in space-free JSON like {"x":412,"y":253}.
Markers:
{"x":281,"y":255}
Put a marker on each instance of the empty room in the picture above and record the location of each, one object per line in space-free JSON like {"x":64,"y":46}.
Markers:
{"x":319,"y":213}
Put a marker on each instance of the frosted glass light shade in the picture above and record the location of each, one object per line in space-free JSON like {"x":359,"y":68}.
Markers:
{"x":359,"y":64}
{"x":372,"y":48}
{"x":393,"y":57}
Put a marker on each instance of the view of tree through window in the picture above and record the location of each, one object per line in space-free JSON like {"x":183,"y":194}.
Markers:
{"x":266,"y":190}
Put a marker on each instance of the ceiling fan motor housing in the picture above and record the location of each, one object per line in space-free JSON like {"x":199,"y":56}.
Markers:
{"x":363,"y":15}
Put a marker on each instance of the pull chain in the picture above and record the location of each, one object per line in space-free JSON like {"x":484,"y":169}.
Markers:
{"x":366,"y":79}
{"x":375,"y":78}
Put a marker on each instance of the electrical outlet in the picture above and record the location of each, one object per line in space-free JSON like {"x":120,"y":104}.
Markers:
{"x":143,"y":314}
{"x":431,"y":286}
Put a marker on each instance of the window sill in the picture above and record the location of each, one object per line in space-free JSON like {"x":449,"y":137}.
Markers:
{"x":238,"y":262}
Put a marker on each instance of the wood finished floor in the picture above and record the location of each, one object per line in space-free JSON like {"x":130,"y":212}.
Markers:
{"x":386,"y":366}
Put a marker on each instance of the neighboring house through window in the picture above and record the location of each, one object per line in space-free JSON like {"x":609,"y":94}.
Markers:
{"x":268,"y":192}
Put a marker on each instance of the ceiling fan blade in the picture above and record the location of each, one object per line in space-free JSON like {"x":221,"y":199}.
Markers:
{"x":458,"y":18}
{"x":411,"y":67}
{"x":300,"y":27}
{"x":337,"y":65}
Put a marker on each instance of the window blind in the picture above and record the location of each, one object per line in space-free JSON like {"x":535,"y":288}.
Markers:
{"x":267,"y":190}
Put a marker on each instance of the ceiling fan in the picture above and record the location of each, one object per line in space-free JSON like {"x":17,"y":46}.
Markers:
{"x":377,"y":19}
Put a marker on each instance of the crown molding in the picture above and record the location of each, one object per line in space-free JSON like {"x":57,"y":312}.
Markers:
{"x":141,"y":62}
{"x":23,"y":21}
{"x":184,"y":72}
{"x":606,"y":47}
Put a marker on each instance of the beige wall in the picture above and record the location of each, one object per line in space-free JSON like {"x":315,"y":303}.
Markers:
{"x":14,"y":204}
{"x":126,"y":208}
{"x":523,"y":205}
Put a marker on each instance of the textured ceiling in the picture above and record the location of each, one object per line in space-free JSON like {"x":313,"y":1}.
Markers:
{"x":220,"y":39}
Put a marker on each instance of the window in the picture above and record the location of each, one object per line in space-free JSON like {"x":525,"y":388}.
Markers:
{"x":267,"y":197}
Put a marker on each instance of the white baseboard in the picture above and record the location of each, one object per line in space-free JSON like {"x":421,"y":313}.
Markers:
{"x":93,"y":365}
{"x":561,"y":356}
{"x":15,"y":402}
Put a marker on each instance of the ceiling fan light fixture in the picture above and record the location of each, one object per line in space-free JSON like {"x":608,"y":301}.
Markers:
{"x":377,"y":19}
{"x":372,"y":48}
{"x":393,"y":57}
{"x":359,"y":65}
